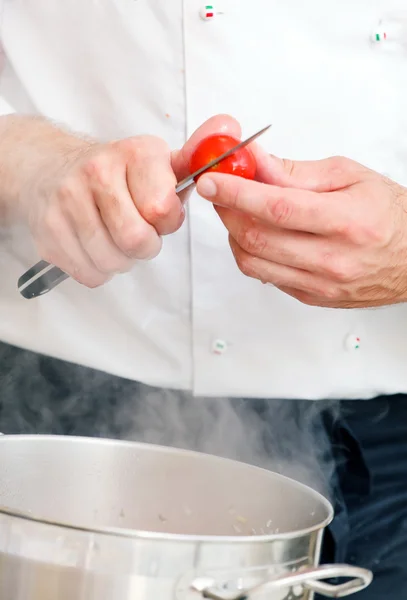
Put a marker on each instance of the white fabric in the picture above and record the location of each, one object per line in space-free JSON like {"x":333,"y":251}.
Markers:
{"x":119,"y":67}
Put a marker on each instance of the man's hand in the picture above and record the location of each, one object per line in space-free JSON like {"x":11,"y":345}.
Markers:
{"x":92,"y":208}
{"x":105,"y":207}
{"x":330,"y":233}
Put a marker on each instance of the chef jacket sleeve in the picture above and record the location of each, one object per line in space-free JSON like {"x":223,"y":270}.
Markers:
{"x":5,"y":107}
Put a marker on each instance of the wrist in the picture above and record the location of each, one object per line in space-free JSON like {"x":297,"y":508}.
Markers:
{"x":32,"y":150}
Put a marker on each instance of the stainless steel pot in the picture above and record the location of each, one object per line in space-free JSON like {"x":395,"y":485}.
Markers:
{"x":92,"y":519}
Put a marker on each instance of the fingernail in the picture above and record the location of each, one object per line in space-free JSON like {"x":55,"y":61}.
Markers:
{"x":206,"y":187}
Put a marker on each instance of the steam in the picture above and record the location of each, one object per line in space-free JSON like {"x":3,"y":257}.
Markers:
{"x":280,"y":435}
{"x":42,"y":395}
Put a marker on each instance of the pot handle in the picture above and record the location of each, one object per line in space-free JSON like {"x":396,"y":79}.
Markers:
{"x":310,"y":579}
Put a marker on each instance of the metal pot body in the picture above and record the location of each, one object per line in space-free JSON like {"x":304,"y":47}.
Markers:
{"x":92,"y":519}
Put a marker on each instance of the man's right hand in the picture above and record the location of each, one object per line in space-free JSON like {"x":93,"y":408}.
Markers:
{"x":94,"y":209}
{"x":106,"y":206}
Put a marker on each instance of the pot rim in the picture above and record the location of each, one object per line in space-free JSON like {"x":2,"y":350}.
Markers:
{"x":161,"y":536}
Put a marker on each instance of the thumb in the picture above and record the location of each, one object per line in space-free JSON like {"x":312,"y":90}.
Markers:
{"x":325,"y":175}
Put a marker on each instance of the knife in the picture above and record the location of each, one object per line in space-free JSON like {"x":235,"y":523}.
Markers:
{"x":44,"y":277}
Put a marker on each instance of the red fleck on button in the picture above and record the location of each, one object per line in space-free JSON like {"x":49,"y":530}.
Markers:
{"x":352,"y":342}
{"x":208,"y":12}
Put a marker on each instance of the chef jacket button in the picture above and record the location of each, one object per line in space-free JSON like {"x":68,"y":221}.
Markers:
{"x":219,"y":347}
{"x":208,"y":12}
{"x":379,"y":35}
{"x":352,"y":342}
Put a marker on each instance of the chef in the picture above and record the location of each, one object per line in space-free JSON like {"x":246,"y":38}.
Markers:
{"x":102,"y":103}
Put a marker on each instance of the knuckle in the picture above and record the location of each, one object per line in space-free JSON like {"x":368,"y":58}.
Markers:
{"x":86,"y":275}
{"x":279,"y":211}
{"x":97,"y":281}
{"x":52,"y":221}
{"x":337,"y":164}
{"x":344,"y":224}
{"x":379,"y":234}
{"x":108,"y":264}
{"x":338,"y":269}
{"x":246,"y":265}
{"x":131,"y":146}
{"x":330,"y":293}
{"x":131,"y":240}
{"x":67,"y":190}
{"x":251,"y":239}
{"x":375,"y":233}
{"x":336,"y":170}
{"x":318,"y":295}
{"x":143,"y":145}
{"x":163,"y":209}
{"x":98,"y":168}
{"x":91,"y":280}
{"x":92,"y":166}
{"x":156,"y":144}
{"x":138,"y":242}
{"x":343,"y":229}
{"x":305,"y":298}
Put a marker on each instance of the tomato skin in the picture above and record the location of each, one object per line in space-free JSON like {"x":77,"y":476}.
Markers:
{"x":241,"y":163}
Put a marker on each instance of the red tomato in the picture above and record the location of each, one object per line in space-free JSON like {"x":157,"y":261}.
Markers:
{"x":241,"y":163}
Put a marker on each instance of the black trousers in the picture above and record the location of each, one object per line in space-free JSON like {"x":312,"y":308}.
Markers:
{"x":360,"y":446}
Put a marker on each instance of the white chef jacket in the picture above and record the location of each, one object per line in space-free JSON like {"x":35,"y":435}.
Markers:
{"x":189,"y":319}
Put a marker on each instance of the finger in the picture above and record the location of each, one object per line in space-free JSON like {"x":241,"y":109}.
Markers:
{"x":327,"y":175}
{"x":343,"y":300}
{"x":281,"y":275}
{"x":312,"y":300}
{"x":134,"y":237}
{"x":285,"y":208}
{"x":151,"y":182}
{"x":81,"y":211}
{"x":302,"y":296}
{"x":60,"y":246}
{"x":293,"y":249}
{"x":300,"y":250}
{"x":218,"y":124}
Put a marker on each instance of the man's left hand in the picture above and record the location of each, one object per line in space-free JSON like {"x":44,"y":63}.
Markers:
{"x":330,"y":233}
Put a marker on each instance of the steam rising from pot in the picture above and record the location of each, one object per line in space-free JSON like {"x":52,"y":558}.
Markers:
{"x":43,"y":396}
